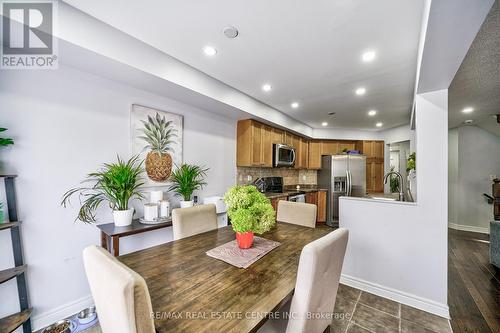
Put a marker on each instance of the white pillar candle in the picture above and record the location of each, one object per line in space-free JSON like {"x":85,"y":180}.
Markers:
{"x":156,"y":196}
{"x":150,"y":211}
{"x":164,"y":208}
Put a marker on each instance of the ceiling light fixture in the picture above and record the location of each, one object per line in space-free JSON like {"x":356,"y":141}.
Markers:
{"x":468,"y":110}
{"x":324,"y":124}
{"x":230,"y":32}
{"x":379,"y":124}
{"x":372,"y":113}
{"x":209,"y":51}
{"x":294,"y":105}
{"x":368,"y":56}
{"x":266,"y":87}
{"x":469,"y":122}
{"x":360,"y":91}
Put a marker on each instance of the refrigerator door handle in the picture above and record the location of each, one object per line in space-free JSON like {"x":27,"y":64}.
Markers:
{"x":348,"y":183}
{"x":349,"y":190}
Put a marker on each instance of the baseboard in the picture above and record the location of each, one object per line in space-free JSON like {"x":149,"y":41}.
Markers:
{"x":420,"y":303}
{"x":482,"y":230}
{"x":64,"y":311}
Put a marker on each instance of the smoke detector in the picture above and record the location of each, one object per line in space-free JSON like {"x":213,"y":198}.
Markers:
{"x":230,"y":32}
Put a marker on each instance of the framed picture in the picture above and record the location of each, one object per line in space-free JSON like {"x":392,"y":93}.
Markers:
{"x":157,"y":137}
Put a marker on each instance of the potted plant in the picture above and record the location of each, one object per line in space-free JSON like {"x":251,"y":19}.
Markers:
{"x":116,"y":183}
{"x":158,"y":133}
{"x":250,"y":212}
{"x":185,"y":180}
{"x":5,"y":141}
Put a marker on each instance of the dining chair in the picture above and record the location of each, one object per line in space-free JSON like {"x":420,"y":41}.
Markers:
{"x":193,"y":220}
{"x":121,"y":295}
{"x":318,"y":276}
{"x":300,"y":213}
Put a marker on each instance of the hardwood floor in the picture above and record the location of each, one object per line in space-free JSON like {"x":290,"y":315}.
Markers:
{"x":473,"y":284}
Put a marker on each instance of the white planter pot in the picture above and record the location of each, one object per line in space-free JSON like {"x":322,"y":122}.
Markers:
{"x":123,"y":217}
{"x":186,"y":204}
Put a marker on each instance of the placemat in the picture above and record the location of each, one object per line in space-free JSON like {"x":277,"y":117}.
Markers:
{"x":243,"y":258}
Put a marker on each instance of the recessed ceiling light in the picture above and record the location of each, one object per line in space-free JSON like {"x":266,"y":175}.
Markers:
{"x":379,"y":124}
{"x":294,"y":105}
{"x":468,"y":110}
{"x":266,"y":87}
{"x":324,"y":124}
{"x":209,"y":51}
{"x":230,"y":32}
{"x":368,"y":56}
{"x":360,"y":91}
{"x":371,"y":113}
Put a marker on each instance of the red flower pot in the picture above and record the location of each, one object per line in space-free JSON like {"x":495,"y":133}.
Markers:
{"x":245,"y":239}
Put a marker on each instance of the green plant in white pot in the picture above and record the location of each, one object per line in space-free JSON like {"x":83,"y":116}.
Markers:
{"x":115,"y":183}
{"x":186,"y":179}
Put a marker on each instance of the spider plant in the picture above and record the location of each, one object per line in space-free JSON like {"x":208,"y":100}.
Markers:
{"x":186,"y":179}
{"x":5,"y":141}
{"x":115,"y":183}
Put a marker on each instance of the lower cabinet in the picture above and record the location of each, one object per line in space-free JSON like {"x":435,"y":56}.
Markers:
{"x":274,"y":202}
{"x":318,"y":199}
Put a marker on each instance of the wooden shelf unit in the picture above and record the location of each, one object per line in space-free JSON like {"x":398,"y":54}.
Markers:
{"x":10,"y":323}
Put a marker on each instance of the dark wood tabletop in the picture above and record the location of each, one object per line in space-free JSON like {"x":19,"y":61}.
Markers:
{"x":136,"y":227}
{"x":192,"y":292}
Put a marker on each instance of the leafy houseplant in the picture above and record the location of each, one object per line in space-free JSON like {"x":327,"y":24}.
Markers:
{"x":116,"y":183}
{"x":394,"y":183}
{"x":411,"y":163}
{"x":1,"y":212}
{"x":158,"y":133}
{"x":185,"y":180}
{"x":5,"y":141}
{"x":250,"y":212}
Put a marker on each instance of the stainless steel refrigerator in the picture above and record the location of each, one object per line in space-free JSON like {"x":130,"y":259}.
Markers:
{"x":342,"y":175}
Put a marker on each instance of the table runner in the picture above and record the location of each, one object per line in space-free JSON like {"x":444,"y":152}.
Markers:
{"x":243,"y":258}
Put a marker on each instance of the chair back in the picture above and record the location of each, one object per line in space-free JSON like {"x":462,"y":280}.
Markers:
{"x":300,"y":213}
{"x":120,"y":295}
{"x":317,"y":283}
{"x":193,"y":220}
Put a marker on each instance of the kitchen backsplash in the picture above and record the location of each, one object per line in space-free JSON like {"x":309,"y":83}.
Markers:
{"x":290,"y":176}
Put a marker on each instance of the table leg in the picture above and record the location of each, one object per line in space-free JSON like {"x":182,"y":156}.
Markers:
{"x":104,"y":241}
{"x":116,"y":246}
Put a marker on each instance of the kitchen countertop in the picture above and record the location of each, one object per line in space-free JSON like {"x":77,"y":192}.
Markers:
{"x":291,"y":190}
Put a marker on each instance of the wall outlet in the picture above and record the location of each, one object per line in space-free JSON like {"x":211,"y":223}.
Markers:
{"x":304,"y":178}
{"x":249,"y":178}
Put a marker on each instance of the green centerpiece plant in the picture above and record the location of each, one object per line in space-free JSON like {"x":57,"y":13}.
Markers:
{"x":250,"y":212}
{"x":186,"y":179}
{"x":115,"y":183}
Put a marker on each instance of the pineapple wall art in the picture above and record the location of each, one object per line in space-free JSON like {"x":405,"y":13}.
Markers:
{"x":157,"y":137}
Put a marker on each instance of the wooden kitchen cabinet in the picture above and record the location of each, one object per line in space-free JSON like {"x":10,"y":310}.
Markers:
{"x":346,"y":145}
{"x":314,"y":153}
{"x":329,"y":147}
{"x":375,"y":176}
{"x":254,"y":144}
{"x":318,"y":199}
{"x":277,"y":136}
{"x":274,"y":202}
{"x":371,"y":149}
{"x":302,"y":151}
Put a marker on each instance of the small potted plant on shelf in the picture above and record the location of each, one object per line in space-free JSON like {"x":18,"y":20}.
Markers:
{"x":5,"y":141}
{"x":185,"y":180}
{"x":116,"y":183}
{"x":250,"y":212}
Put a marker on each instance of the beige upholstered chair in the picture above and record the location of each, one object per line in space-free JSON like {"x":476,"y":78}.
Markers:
{"x":121,"y":295}
{"x":316,"y":288}
{"x":297,"y":213}
{"x":193,"y":220}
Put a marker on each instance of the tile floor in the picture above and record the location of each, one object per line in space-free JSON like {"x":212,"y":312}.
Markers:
{"x":357,"y":311}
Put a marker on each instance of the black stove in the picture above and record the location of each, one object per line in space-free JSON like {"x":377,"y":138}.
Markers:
{"x":269,"y":184}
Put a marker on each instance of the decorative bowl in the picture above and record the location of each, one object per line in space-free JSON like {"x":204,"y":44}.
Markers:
{"x":87,"y":315}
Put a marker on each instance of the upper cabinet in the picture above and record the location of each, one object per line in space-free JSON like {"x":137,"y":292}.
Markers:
{"x":255,"y":148}
{"x":254,"y":144}
{"x":371,"y":148}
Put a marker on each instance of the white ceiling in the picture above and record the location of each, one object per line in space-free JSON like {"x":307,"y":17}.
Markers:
{"x":310,"y":52}
{"x":477,"y":82}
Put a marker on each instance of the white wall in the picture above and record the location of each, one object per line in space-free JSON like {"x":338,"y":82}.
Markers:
{"x":66,"y":123}
{"x":344,"y":134}
{"x":399,"y":250}
{"x":474,"y":157}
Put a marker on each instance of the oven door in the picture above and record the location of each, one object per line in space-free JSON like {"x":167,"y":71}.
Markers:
{"x":284,"y":156}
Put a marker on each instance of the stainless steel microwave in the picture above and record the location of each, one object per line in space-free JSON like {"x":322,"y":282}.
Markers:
{"x":283,"y":155}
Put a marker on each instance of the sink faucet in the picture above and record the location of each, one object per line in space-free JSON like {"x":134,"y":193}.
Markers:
{"x":401,"y":192}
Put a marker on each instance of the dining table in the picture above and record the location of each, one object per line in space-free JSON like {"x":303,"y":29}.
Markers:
{"x":192,"y":292}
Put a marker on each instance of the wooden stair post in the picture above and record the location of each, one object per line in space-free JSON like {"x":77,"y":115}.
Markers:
{"x":12,"y":322}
